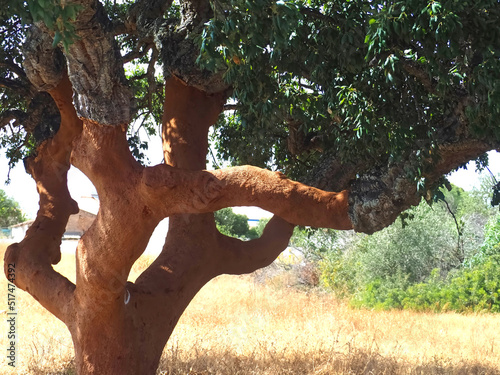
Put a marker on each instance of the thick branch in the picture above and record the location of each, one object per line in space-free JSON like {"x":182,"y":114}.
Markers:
{"x":187,"y":117}
{"x":144,"y":12}
{"x":15,"y":115}
{"x":378,"y":196}
{"x":45,"y":65}
{"x":121,"y":231}
{"x":248,"y":256}
{"x":208,"y":191}
{"x":96,"y":70}
{"x":13,"y":67}
{"x":41,"y":246}
{"x":195,"y":12}
{"x":18,"y":86}
{"x":179,"y":50}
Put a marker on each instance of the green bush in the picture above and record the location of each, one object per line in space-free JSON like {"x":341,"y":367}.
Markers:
{"x":336,"y":274}
{"x":444,"y":258}
{"x":382,"y":294}
{"x":491,"y":244}
{"x":474,"y":289}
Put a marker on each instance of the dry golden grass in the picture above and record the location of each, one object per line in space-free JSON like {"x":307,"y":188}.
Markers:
{"x":235,"y":326}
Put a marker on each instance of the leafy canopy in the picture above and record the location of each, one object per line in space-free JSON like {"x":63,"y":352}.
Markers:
{"x":375,"y":79}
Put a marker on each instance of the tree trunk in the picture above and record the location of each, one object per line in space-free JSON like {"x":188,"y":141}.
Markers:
{"x":123,"y":327}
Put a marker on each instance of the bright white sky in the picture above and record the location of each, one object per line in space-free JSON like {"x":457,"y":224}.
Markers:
{"x":22,"y":187}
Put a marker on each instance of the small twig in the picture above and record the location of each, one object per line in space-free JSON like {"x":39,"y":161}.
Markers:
{"x":230,"y":107}
{"x":217,"y":166}
{"x":137,"y":53}
{"x":151,"y":77}
{"x":459,"y":231}
{"x":492,"y":175}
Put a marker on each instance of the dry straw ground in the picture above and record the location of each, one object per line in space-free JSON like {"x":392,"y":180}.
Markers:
{"x":235,"y":326}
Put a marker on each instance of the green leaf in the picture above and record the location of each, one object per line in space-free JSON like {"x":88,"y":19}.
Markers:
{"x":57,"y":38}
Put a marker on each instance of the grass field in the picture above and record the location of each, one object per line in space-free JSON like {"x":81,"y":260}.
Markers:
{"x":235,"y":326}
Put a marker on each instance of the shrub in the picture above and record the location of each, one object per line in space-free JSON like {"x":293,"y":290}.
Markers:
{"x":491,"y":244}
{"x":474,"y":289}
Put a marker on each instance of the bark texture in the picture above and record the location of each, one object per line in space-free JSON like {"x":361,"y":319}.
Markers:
{"x":96,"y":70}
{"x":179,"y":49}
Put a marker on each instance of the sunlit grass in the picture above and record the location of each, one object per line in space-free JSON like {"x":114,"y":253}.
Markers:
{"x":235,"y":326}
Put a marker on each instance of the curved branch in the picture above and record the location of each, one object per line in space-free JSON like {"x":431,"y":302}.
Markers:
{"x":179,"y":191}
{"x":15,"y":85}
{"x":13,"y":67}
{"x":13,"y":114}
{"x":248,"y":256}
{"x":96,"y":69}
{"x":40,"y":248}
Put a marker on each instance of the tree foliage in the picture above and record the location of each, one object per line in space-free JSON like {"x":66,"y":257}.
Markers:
{"x":491,"y":245}
{"x":10,"y":213}
{"x":406,"y":70}
{"x":391,"y":92}
{"x":234,"y":225}
{"x":475,"y":289}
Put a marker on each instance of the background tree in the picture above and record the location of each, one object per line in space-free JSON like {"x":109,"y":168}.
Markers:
{"x":374,"y":100}
{"x":10,"y":213}
{"x":234,"y":225}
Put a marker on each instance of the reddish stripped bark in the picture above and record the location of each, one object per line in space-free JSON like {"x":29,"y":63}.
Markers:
{"x":40,"y":248}
{"x":133,"y":321}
